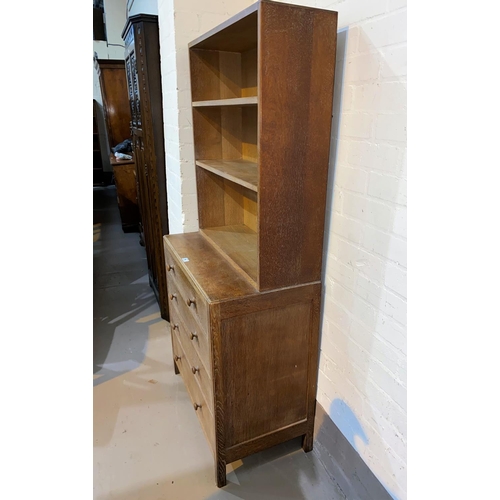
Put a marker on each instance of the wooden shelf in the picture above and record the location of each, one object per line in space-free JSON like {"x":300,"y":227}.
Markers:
{"x":242,"y":172}
{"x":237,"y":242}
{"x":236,"y":101}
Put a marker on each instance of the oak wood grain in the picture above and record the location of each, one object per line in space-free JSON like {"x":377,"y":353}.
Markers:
{"x":203,"y":413}
{"x":261,"y":350}
{"x":204,"y":259}
{"x":197,"y":366}
{"x":242,"y":172}
{"x":239,"y":243}
{"x":260,"y":443}
{"x":296,"y":75}
{"x":262,"y":91}
{"x":235,"y":101}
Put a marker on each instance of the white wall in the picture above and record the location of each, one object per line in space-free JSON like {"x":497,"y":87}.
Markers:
{"x":142,"y":7}
{"x":362,"y":378}
{"x":113,"y":48}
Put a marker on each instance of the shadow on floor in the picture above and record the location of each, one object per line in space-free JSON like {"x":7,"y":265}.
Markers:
{"x":121,"y":291}
{"x":282,"y":472}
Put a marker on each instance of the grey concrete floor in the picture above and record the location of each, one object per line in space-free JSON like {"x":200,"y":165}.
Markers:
{"x":148,"y":444}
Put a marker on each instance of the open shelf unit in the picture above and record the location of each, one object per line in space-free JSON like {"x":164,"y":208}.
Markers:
{"x":225,"y":116}
{"x":246,"y":288}
{"x":261,"y":135}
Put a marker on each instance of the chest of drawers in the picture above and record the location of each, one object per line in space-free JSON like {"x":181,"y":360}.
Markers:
{"x":248,"y":359}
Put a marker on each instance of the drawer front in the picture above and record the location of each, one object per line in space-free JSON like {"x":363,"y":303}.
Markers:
{"x":201,"y":373}
{"x":188,"y":294}
{"x":203,"y":412}
{"x":197,"y":337}
{"x":181,"y":310}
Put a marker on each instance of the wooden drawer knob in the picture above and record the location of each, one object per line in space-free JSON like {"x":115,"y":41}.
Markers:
{"x":193,"y":335}
{"x":177,"y":358}
{"x":196,"y":406}
{"x":170,"y":268}
{"x":176,"y":326}
{"x":191,"y":301}
{"x":172,"y":296}
{"x":195,"y":369}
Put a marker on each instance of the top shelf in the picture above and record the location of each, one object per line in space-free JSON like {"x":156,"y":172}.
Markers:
{"x":237,"y":101}
{"x":237,"y":34}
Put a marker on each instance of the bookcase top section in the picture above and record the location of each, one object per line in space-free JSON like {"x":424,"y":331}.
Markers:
{"x":262,"y":94}
{"x":237,"y":34}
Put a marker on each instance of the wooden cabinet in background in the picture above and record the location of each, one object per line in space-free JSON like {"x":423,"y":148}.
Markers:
{"x":126,"y":193}
{"x":113,"y":82}
{"x":245,"y":291}
{"x":142,"y":59}
{"x":98,"y":173}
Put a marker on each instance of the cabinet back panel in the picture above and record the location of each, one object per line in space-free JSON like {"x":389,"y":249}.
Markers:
{"x":249,"y":73}
{"x":210,"y":189}
{"x":231,"y":131}
{"x":224,"y":203}
{"x":249,"y":148}
{"x":207,"y":133}
{"x":225,"y":133}
{"x":219,"y":74}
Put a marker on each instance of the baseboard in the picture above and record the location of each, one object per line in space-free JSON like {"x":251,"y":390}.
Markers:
{"x":343,"y":463}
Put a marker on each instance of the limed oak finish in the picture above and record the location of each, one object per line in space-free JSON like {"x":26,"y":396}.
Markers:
{"x":245,"y":290}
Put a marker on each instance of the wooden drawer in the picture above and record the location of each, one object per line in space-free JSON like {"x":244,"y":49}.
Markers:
{"x":188,"y":294}
{"x":200,"y":371}
{"x":203,"y":412}
{"x":199,"y":343}
{"x":191,"y":322}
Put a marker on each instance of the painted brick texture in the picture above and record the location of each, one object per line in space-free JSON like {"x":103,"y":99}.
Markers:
{"x":362,"y":377}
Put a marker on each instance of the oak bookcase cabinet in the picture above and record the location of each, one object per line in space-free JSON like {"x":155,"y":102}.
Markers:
{"x":245,"y":290}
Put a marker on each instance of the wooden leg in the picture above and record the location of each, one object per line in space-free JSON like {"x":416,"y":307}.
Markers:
{"x":176,"y":369}
{"x":220,"y":473}
{"x":307,"y":442}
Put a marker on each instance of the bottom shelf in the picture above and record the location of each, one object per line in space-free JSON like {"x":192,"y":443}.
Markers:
{"x":239,"y":243}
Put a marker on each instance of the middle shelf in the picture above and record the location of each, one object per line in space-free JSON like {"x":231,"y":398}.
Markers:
{"x":242,"y":172}
{"x":234,"y":101}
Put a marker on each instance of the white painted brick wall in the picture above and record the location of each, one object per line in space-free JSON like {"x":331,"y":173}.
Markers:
{"x":363,"y":344}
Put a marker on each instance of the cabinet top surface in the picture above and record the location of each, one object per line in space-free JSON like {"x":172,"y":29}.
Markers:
{"x":239,"y":33}
{"x":137,"y":18}
{"x":202,"y":260}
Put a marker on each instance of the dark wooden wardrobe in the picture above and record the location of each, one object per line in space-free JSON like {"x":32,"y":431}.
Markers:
{"x":142,"y":63}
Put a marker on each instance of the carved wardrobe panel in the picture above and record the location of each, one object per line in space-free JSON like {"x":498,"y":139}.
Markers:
{"x":142,"y":63}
